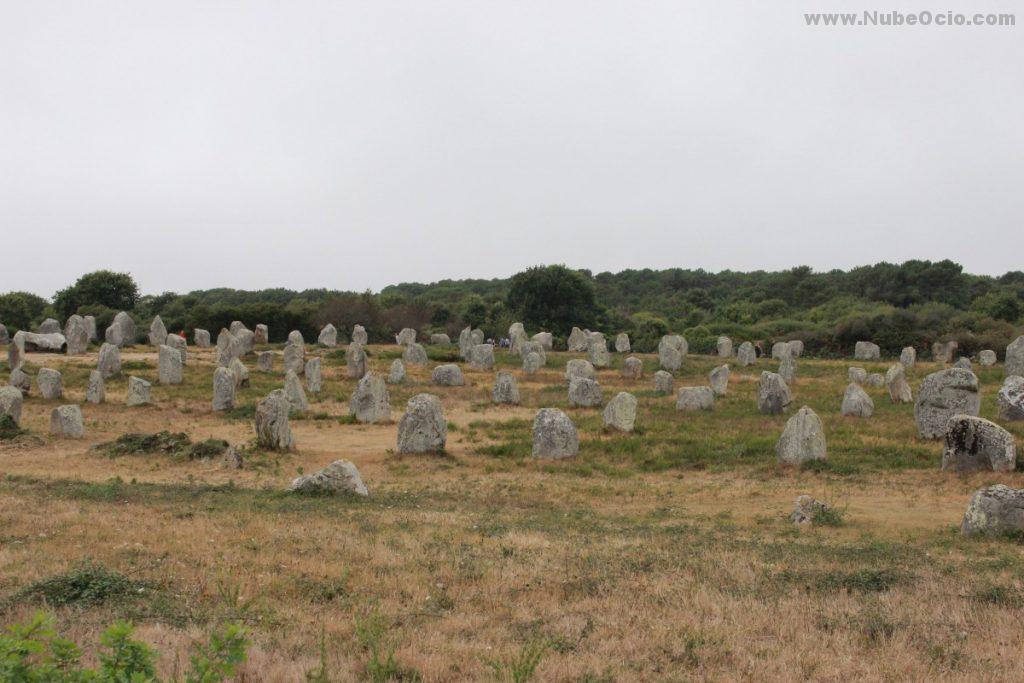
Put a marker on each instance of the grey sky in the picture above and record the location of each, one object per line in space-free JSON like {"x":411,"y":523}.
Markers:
{"x":353,"y":145}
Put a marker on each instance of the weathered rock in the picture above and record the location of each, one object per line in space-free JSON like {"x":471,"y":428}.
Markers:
{"x":440,"y":339}
{"x":113,"y":335}
{"x":11,"y":402}
{"x":545,"y":339}
{"x":21,"y":381}
{"x":178,"y":343}
{"x":50,"y":386}
{"x":273,"y":431}
{"x":528,"y":347}
{"x":356,"y":362}
{"x":240,"y":372}
{"x":464,"y":342}
{"x":396,"y":373}
{"x":423,"y":428}
{"x":236,"y":327}
{"x":908,"y":356}
{"x":201,"y":338}
{"x":261,"y":335}
{"x":796,"y":348}
{"x":5,"y":337}
{"x":532,"y":362}
{"x":856,"y":402}
{"x":865,"y":350}
{"x":49,"y":326}
{"x":228,"y":348}
{"x":787,"y":368}
{"x":942,"y":395}
{"x":109,"y":361}
{"x":447,"y":375}
{"x":245,"y":340}
{"x":414,"y":354}
{"x":554,"y":435}
{"x":223,"y":389}
{"x":746,"y":354}
{"x":370,"y":401}
{"x":169,"y":367}
{"x":515,"y":328}
{"x":806,"y":509}
{"x":328,"y":336}
{"x":232,"y":458}
{"x":359,"y":335}
{"x":296,"y":395}
{"x":295,"y":337}
{"x":506,"y":390}
{"x":516,"y":342}
{"x":724,"y":347}
{"x":585,"y":393}
{"x":780,"y":350}
{"x":944,"y":352}
{"x":719,"y":379}
{"x":896,"y":383}
{"x":802,"y":440}
{"x":622,"y":344}
{"x":294,"y":358}
{"x":157,"y":332}
{"x":597,"y":353}
{"x":987,"y":358}
{"x":314,"y":378}
{"x":16,"y":351}
{"x":876,"y":380}
{"x":772,"y":394}
{"x":1014,"y":359}
{"x":632,"y":368}
{"x":672,"y":349}
{"x":481,"y":356}
{"x":994,"y":511}
{"x":265,"y":361}
{"x":138,"y":392}
{"x":406,"y":336}
{"x":577,"y":368}
{"x":1011,"y":399}
{"x":577,"y":340}
{"x":974,"y":444}
{"x":857,"y":375}
{"x":43,"y":343}
{"x":97,"y":390}
{"x":695,"y":398}
{"x":77,"y":335}
{"x":663,"y":382}
{"x":125,"y":323}
{"x":340,"y":477}
{"x":963,"y":362}
{"x":66,"y":421}
{"x":620,"y":413}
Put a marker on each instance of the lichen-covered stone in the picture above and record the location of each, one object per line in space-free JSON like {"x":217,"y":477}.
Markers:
{"x":746,"y":354}
{"x":772,"y":394}
{"x":554,"y":435}
{"x":359,"y":335}
{"x":802,"y":440}
{"x":273,"y":431}
{"x":1011,"y":399}
{"x":396,"y":373}
{"x":97,"y":389}
{"x":908,"y":356}
{"x":201,"y":338}
{"x":585,"y":393}
{"x":223,"y":389}
{"x":974,"y":444}
{"x":423,"y":428}
{"x":506,"y":389}
{"x":328,"y":336}
{"x":942,"y":395}
{"x":51,"y":388}
{"x":294,"y":358}
{"x":370,"y":401}
{"x":719,"y":380}
{"x":414,"y":354}
{"x":724,"y":347}
{"x":695,"y":398}
{"x":987,"y":358}
{"x":66,"y":421}
{"x":340,"y":477}
{"x":620,"y":413}
{"x":994,"y":511}
{"x":169,"y":367}
{"x":157,"y":333}
{"x":578,"y":368}
{"x":240,"y":372}
{"x":896,"y":383}
{"x":314,"y":378}
{"x":865,"y":350}
{"x":265,"y":361}
{"x":447,"y":375}
{"x":632,"y":368}
{"x":481,"y":357}
{"x":856,"y":402}
{"x":11,"y":403}
{"x":138,"y":392}
{"x":1014,"y":360}
{"x":356,"y":362}
{"x":294,"y":392}
{"x":663,"y":382}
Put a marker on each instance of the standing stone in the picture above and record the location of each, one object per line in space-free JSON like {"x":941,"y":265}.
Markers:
{"x":963,"y":362}
{"x":577,"y":368}
{"x":414,"y":354}
{"x":942,"y":395}
{"x":481,"y":356}
{"x":138,"y":392}
{"x":77,"y":334}
{"x":620,"y":413}
{"x":113,"y":335}
{"x":1014,"y":359}
{"x":532,"y":362}
{"x":772,"y":394}
{"x":464,"y":342}
{"x":423,"y":428}
{"x":223,"y":389}
{"x":370,"y":401}
{"x":66,"y":421}
{"x":632,"y":368}
{"x":986,"y":358}
{"x":515,"y":328}
{"x":994,"y":511}
{"x":227,"y":348}
{"x":359,"y":335}
{"x":516,"y":341}
{"x":50,"y":386}
{"x":157,"y":332}
{"x":5,"y":337}
{"x":787,"y":368}
{"x":356,"y":363}
{"x":169,"y":365}
{"x":506,"y":390}
{"x":97,"y":390}
{"x":719,"y":379}
{"x":261,"y":335}
{"x":554,"y":435}
{"x":295,"y":337}
{"x":856,"y":402}
{"x":201,"y":338}
{"x":695,"y":398}
{"x":796,"y":348}
{"x":857,"y":375}
{"x":90,"y":326}
{"x":974,"y":444}
{"x":908,"y":356}
{"x":11,"y":402}
{"x":585,"y":393}
{"x":236,"y":327}
{"x":545,"y":339}
{"x":526,"y":348}
{"x":20,"y":381}
{"x":293,"y":390}
{"x":477,"y":337}
{"x":440,"y":340}
{"x":802,"y":440}
{"x":865,"y":350}
{"x":1011,"y":399}
{"x":622,"y":344}
{"x":109,"y":361}
{"x":876,"y":380}
{"x":780,"y":350}
{"x":16,"y":351}
{"x":245,"y":340}
{"x":447,"y":375}
{"x":314,"y":380}
{"x":396,"y":373}
{"x":341,"y":476}
{"x":724,"y":347}
{"x":663,"y":382}
{"x":746,"y":354}
{"x":896,"y":382}
{"x":177,"y":342}
{"x":944,"y":352}
{"x":273,"y":430}
{"x":672,"y":349}
{"x":126,"y":325}
{"x":597,"y":353}
{"x":577,"y":340}
{"x":294,"y":358}
{"x":406,"y":336}
{"x":240,"y":372}
{"x":265,"y":361}
{"x":328,"y":336}
{"x":49,"y":326}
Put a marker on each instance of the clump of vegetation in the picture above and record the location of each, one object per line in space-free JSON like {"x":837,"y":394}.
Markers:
{"x":381,"y":665}
{"x":175,"y":444}
{"x":521,"y":666}
{"x":9,"y":430}
{"x":86,"y":585}
{"x":211,"y":448}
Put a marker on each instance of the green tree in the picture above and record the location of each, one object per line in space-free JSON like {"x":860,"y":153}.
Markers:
{"x":553,"y":298}
{"x":103,"y":288}
{"x":18,"y":310}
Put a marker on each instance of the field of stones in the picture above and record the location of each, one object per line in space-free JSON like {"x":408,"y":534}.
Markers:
{"x":441,"y":510}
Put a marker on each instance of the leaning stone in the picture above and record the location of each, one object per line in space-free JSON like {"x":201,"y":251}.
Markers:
{"x":77,"y":334}
{"x":578,"y":368}
{"x":440,"y":340}
{"x":787,"y":368}
{"x":865,"y":350}
{"x":359,"y":335}
{"x":622,"y":344}
{"x":240,"y":372}
{"x":273,"y":430}
{"x":370,"y":401}
{"x":50,"y":386}
{"x":176,"y":341}
{"x":908,"y":356}
{"x":506,"y":390}
{"x":49,"y":326}
{"x":138,"y":392}
{"x":554,"y":435}
{"x":201,"y":338}
{"x":481,"y":356}
{"x":261,"y":335}
{"x":695,"y":398}
{"x":746,"y":354}
{"x":994,"y":511}
{"x":265,"y":361}
{"x":942,"y":395}
{"x":896,"y":382}
{"x":340,"y":477}
{"x":396,"y":373}
{"x":577,"y":340}
{"x":597,"y":353}
{"x":663,"y":382}
{"x":447,"y":375}
{"x":585,"y":393}
{"x":987,"y":358}
{"x":328,"y":336}
{"x":296,"y":396}
{"x":96,"y":392}
{"x":724,"y":347}
{"x":157,"y":332}
{"x":802,"y":440}
{"x":11,"y":402}
{"x":294,"y":358}
{"x":314,"y":380}
{"x":406,"y":336}
{"x":857,"y":375}
{"x":632,"y":368}
{"x":620,"y":413}
{"x":1014,"y":360}
{"x":66,"y":421}
{"x":1011,"y":399}
{"x":223,"y":389}
{"x":21,"y":381}
{"x":719,"y":379}
{"x":169,"y":367}
{"x":414,"y":354}
{"x":772,"y":394}
{"x":356,"y":363}
{"x":856,"y":402}
{"x":423,"y":428}
{"x":974,"y":444}
{"x":807,"y":509}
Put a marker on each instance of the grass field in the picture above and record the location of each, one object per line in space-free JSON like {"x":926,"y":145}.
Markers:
{"x":666,"y":554}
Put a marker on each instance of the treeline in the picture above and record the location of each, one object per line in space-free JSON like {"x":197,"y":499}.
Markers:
{"x":894,"y":305}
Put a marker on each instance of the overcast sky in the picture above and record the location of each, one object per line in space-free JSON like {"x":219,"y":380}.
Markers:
{"x":353,"y":145}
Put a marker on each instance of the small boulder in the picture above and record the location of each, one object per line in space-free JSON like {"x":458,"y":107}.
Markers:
{"x":577,"y":368}
{"x":746,"y":354}
{"x":622,"y":344}
{"x":857,"y":375}
{"x":96,"y":391}
{"x":724,"y":347}
{"x":554,"y":435}
{"x":481,"y":356}
{"x":261,"y":335}
{"x":359,"y":335}
{"x":663,"y":382}
{"x":21,"y":381}
{"x":11,"y":402}
{"x":545,"y":339}
{"x":50,"y":386}
{"x":719,"y":380}
{"x":620,"y":413}
{"x":780,"y":350}
{"x":577,"y":340}
{"x":865,"y":350}
{"x":340,"y":477}
{"x":423,"y":428}
{"x":138,"y":392}
{"x":49,"y":326}
{"x":201,"y":338}
{"x":66,"y":421}
{"x":987,"y":358}
{"x":875,"y":380}
{"x":585,"y":393}
{"x":506,"y":390}
{"x":974,"y":444}
{"x":440,"y":339}
{"x":695,"y":398}
{"x":856,"y":402}
{"x":294,"y":392}
{"x":908,"y":356}
{"x":414,"y":354}
{"x":896,"y":383}
{"x":994,"y":511}
{"x":807,"y":509}
{"x":532,"y":362}
{"x":295,"y":337}
{"x":1011,"y":399}
{"x":447,"y":375}
{"x":223,"y":389}
{"x":597,"y":353}
{"x":942,"y":395}
{"x":406,"y":336}
{"x":178,"y":343}
{"x":314,"y":377}
{"x":265,"y":361}
{"x":240,"y":372}
{"x":396,"y":373}
{"x":632,"y":368}
{"x":328,"y":336}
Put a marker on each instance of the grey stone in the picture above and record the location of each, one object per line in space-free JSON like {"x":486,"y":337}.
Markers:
{"x":856,"y":402}
{"x":296,"y":395}
{"x":169,"y":367}
{"x":1011,"y":399}
{"x":481,"y":356}
{"x":597,"y":353}
{"x":223,"y":389}
{"x":240,"y":372}
{"x":42,"y":343}
{"x":622,"y":344}
{"x":532,"y":362}
{"x":857,"y":375}
{"x":772,"y":394}
{"x":994,"y":511}
{"x":787,"y":368}
{"x":414,"y":354}
{"x":97,"y":390}
{"x":50,"y":386}
{"x":21,"y":381}
{"x":780,"y":350}
{"x":370,"y":401}
{"x":112,"y":335}
{"x":578,"y":368}
{"x":228,"y":348}
{"x":236,"y":327}
{"x":49,"y":326}
{"x":942,"y":395}
{"x":876,"y":380}
{"x":796,"y":348}
{"x":719,"y":379}
{"x":620,"y":413}
{"x":672,"y":349}
{"x":465,"y":337}
{"x":177,"y":342}
{"x":273,"y":431}
{"x":663,"y":382}
{"x":5,"y":337}
{"x":328,"y":336}
{"x":340,"y":477}
{"x":440,"y":340}
{"x":261,"y":335}
{"x":802,"y":440}
{"x":528,"y":347}
{"x":66,"y":421}
{"x":516,"y":341}
{"x":974,"y":444}
{"x":807,"y":509}
{"x":554,"y":435}
{"x":138,"y":392}
{"x":987,"y":358}
{"x":16,"y":351}
{"x":157,"y":332}
{"x":356,"y":362}
{"x":447,"y":375}
{"x":1014,"y":359}
{"x":545,"y":339}
{"x":746,"y":354}
{"x":294,"y":358}
{"x":944,"y":352}
{"x":585,"y":393}
{"x":232,"y":458}
{"x":265,"y":361}
{"x":963,"y":362}
{"x":396,"y":373}
{"x":295,"y":337}
{"x":865,"y":350}
{"x":577,"y":340}
{"x":201,"y":338}
{"x":632,"y":368}
{"x":359,"y":335}
{"x":695,"y":398}
{"x":908,"y":356}
{"x":245,"y":341}
{"x":896,"y":383}
{"x":11,"y":402}
{"x":423,"y":428}
{"x":506,"y":389}
{"x":76,"y":332}
{"x":724,"y":347}
{"x":125,"y":323}
{"x":406,"y":336}
{"x":314,"y":378}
